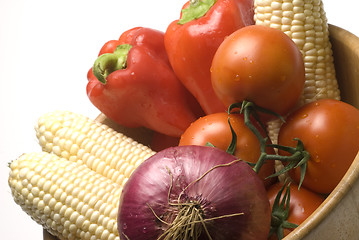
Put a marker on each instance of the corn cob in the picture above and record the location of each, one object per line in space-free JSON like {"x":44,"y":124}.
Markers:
{"x":68,"y":199}
{"x":305,"y":22}
{"x":85,"y":141}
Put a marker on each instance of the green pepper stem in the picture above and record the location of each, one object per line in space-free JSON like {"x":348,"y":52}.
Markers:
{"x":110,"y":62}
{"x":195,"y":10}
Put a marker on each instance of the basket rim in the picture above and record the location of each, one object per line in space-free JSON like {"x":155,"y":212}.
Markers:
{"x":348,"y":180}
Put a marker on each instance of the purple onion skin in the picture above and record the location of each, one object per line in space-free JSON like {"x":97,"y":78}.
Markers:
{"x":225,"y":190}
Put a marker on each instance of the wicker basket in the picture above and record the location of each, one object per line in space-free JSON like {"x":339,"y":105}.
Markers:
{"x":338,"y":217}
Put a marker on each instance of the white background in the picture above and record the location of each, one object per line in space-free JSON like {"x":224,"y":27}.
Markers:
{"x":46,"y":49}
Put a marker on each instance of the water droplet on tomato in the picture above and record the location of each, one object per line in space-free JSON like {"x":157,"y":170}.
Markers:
{"x":144,"y":230}
{"x":316,"y":158}
{"x":237,"y":78}
{"x":245,"y":58}
{"x":124,"y":226}
{"x":304,"y":115}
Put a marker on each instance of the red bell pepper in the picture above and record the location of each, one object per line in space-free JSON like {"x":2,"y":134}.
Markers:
{"x":192,"y":41}
{"x":133,"y":84}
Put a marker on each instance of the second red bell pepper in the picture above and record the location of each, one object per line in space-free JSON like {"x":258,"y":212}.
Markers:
{"x":192,"y":41}
{"x":133,"y":84}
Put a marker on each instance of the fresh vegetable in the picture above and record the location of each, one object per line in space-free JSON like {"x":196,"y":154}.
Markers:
{"x":110,"y":47}
{"x":305,"y":22}
{"x":194,"y":192}
{"x":85,"y":141}
{"x":73,"y":188}
{"x":136,"y":86}
{"x":215,"y":129}
{"x":68,"y":199}
{"x":261,"y":65}
{"x":192,"y":41}
{"x":329,"y":130}
{"x":296,"y":155}
{"x":302,"y":203}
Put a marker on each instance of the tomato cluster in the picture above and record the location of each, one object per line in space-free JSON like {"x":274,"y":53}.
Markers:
{"x":215,"y":130}
{"x":263,"y":66}
{"x":329,"y":130}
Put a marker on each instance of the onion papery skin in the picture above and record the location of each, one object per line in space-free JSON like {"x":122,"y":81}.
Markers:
{"x":225,"y":190}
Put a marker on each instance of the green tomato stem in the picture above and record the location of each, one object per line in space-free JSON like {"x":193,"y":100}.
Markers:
{"x":298,"y":155}
{"x":280,"y":213}
{"x":232,"y":146}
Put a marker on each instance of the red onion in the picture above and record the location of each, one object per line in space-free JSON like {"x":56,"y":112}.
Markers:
{"x":195,"y":190}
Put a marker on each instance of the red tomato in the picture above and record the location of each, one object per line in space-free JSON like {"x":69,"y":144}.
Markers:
{"x":214,"y":128}
{"x":303,"y":203}
{"x":261,"y":65}
{"x":329,"y":130}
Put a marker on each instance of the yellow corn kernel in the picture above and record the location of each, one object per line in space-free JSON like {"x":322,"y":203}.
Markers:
{"x":305,"y":22}
{"x":68,"y":199}
{"x":85,"y":141}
